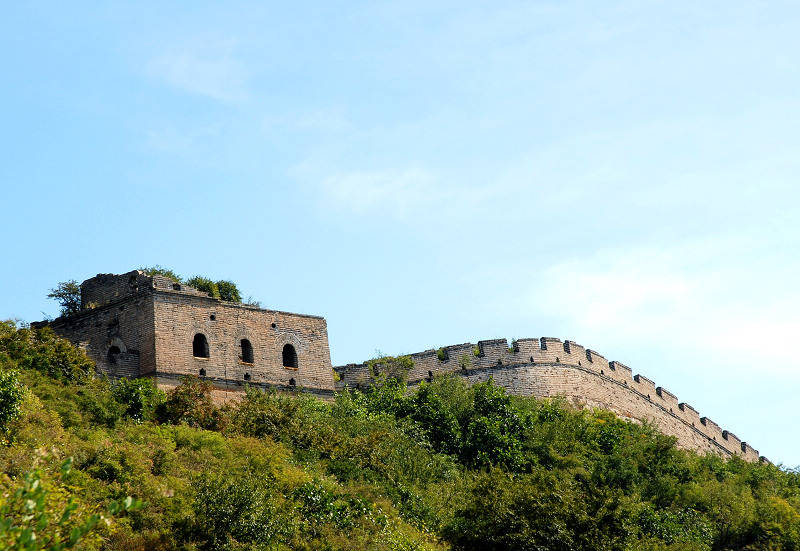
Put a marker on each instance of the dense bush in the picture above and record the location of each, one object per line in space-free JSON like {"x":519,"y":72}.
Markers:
{"x":42,"y":350}
{"x":41,"y":514}
{"x":140,"y":397}
{"x":234,"y":512}
{"x":190,"y":403}
{"x":447,"y":466}
{"x":11,"y":395}
{"x":222,"y":289}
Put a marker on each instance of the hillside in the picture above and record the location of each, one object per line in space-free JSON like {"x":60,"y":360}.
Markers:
{"x":450,"y":466}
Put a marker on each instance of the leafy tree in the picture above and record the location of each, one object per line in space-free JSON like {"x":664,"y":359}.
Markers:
{"x":233,"y":512}
{"x":230,"y":512}
{"x":437,"y":418}
{"x":204,"y":284}
{"x":140,"y":396}
{"x":537,"y":511}
{"x":222,"y":289}
{"x":228,"y":291}
{"x":685,"y":526}
{"x":68,"y":295}
{"x":494,"y":432}
{"x":388,"y":395}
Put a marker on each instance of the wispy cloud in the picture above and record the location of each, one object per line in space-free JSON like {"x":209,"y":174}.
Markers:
{"x":210,"y":69}
{"x":396,"y":191}
{"x":694,"y":293}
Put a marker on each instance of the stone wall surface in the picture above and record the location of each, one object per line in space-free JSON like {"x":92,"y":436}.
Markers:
{"x":548,"y":367}
{"x":179,"y":318}
{"x":126,"y":324}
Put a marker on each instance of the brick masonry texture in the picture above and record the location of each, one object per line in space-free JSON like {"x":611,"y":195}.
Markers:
{"x":548,"y":367}
{"x":136,"y":325}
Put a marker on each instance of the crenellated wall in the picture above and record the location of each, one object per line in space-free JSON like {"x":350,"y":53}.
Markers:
{"x":549,"y":367}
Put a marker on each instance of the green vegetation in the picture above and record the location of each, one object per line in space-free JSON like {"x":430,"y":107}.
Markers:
{"x":159,"y":270}
{"x":222,"y":289}
{"x":390,"y":367}
{"x":38,"y":517}
{"x":445,"y":467}
{"x":68,"y":293}
{"x":204,"y":284}
{"x":11,"y":395}
{"x":68,"y":296}
{"x":228,"y":291}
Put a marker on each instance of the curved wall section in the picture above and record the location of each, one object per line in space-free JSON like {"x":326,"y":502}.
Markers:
{"x":550,"y":367}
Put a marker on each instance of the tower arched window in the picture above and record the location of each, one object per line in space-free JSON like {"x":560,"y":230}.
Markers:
{"x":247,"y":352}
{"x":113,"y":352}
{"x":200,"y":346}
{"x":289,"y":356}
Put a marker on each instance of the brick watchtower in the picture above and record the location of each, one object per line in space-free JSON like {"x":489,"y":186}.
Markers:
{"x":136,"y":325}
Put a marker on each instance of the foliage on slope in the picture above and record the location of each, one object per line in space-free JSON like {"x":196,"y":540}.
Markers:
{"x":448,"y":466}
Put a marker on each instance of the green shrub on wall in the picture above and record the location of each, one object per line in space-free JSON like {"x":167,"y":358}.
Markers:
{"x":158,"y":270}
{"x":223,"y":289}
{"x":68,"y":295}
{"x":204,"y":284}
{"x":228,"y":291}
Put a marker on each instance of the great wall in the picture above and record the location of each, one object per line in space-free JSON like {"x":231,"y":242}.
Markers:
{"x":137,"y":325}
{"x":549,"y":367}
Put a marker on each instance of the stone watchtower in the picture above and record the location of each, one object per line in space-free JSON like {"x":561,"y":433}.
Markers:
{"x":135,"y":325}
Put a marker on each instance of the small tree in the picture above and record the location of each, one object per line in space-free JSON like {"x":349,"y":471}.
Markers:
{"x":140,"y":396}
{"x":393,"y":367}
{"x":228,"y":291}
{"x":222,"y":289}
{"x":68,"y":295}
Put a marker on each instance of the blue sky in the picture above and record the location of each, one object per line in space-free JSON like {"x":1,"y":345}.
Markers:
{"x":620,"y":174}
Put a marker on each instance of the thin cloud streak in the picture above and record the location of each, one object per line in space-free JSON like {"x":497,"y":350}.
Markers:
{"x":211,"y":70}
{"x":694,"y":292}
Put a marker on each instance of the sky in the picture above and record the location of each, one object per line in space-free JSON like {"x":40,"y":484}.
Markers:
{"x":620,"y":174}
